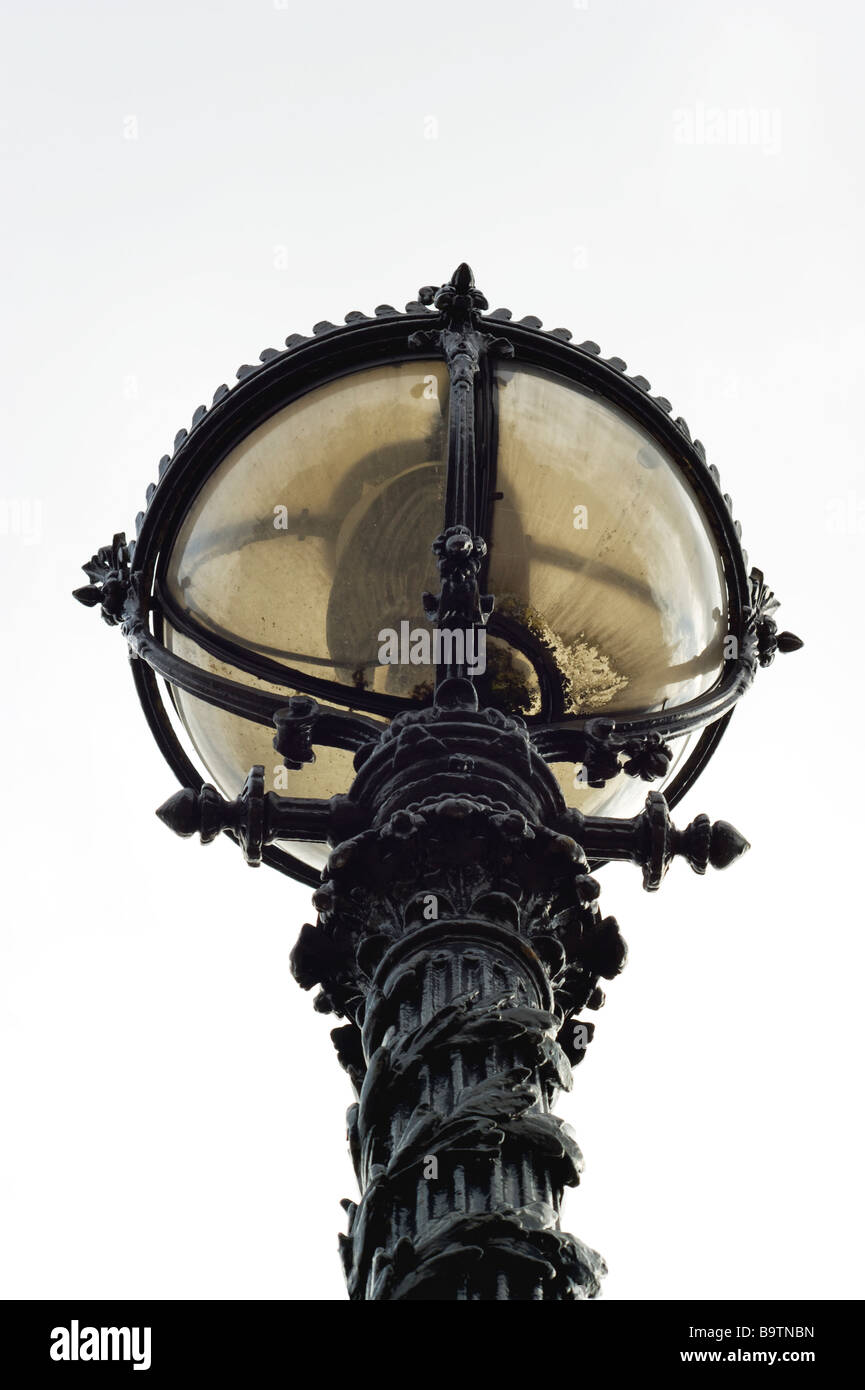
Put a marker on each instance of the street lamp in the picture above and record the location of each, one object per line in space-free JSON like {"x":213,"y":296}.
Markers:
{"x":476,"y":586}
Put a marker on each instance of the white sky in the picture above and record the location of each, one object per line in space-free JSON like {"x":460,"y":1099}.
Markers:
{"x":174,"y":1113}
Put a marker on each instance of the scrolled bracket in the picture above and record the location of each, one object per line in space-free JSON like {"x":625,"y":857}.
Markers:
{"x":762,"y":629}
{"x":109,"y":574}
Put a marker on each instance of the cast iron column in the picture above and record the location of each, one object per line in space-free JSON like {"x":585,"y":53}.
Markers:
{"x":441,"y":931}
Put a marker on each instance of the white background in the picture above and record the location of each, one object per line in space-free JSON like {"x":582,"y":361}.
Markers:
{"x":186,"y":183}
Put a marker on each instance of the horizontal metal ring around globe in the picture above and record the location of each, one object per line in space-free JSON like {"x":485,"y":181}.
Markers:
{"x":556,"y":742}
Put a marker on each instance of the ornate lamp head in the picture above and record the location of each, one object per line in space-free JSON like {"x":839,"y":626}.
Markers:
{"x":421,"y":495}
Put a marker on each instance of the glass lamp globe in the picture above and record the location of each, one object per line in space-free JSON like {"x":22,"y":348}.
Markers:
{"x":312,"y":536}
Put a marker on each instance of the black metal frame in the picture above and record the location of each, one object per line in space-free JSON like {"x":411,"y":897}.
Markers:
{"x":458,"y":931}
{"x":129,"y":580}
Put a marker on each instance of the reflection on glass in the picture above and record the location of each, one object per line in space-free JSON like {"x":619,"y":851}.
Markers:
{"x":315,"y":533}
{"x":600,"y":550}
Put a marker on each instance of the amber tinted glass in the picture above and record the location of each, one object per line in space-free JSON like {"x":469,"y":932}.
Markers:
{"x":307,"y":541}
{"x":315,"y":533}
{"x":600,"y":549}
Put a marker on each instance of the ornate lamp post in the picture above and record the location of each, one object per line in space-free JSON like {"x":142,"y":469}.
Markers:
{"x":476,"y":586}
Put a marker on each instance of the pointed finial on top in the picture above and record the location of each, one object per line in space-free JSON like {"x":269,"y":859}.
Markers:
{"x":463,"y":278}
{"x":459,"y":301}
